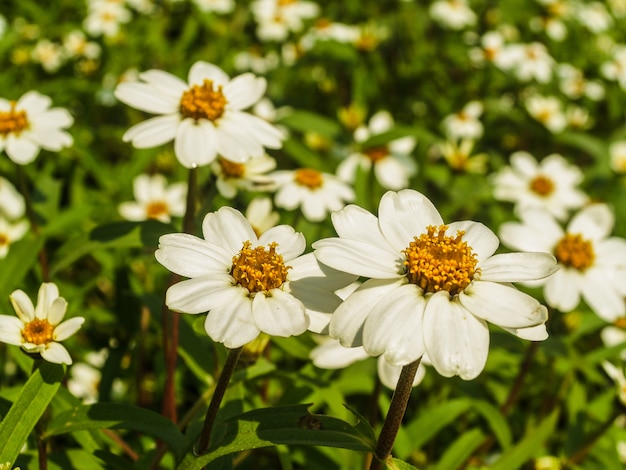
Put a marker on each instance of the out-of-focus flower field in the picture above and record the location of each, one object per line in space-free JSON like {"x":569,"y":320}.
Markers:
{"x":280,"y":210}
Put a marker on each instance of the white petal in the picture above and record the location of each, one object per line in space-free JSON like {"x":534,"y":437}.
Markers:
{"x":202,"y":294}
{"x":501,"y":305}
{"x":244,"y":90}
{"x":355,"y":223}
{"x":515,"y":267}
{"x":308,"y":269}
{"x":457,"y":342}
{"x":195,"y":143}
{"x":482,"y":240}
{"x":191,"y":256}
{"x":394,"y":326}
{"x":594,"y":222}
{"x":532,"y":333}
{"x":11,"y":330}
{"x":390,"y":374}
{"x":164,"y":82}
{"x":562,"y":290}
{"x":153,"y":132}
{"x":203,"y":70}
{"x":228,"y":228}
{"x":391,"y":173}
{"x":606,"y":301}
{"x":279,"y":314}
{"x":48,"y":292}
{"x":56,"y":352}
{"x":68,"y":328}
{"x":23,"y":305}
{"x":21,"y":150}
{"x":51,"y":139}
{"x":291,"y":244}
{"x":146,"y":98}
{"x":34,"y":102}
{"x":405,"y":215}
{"x":56,"y":311}
{"x":232,"y":323}
{"x":332,"y":355}
{"x":319,"y":303}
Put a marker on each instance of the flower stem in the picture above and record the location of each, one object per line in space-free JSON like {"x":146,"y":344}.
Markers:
{"x":216,"y":400}
{"x":394,"y":417}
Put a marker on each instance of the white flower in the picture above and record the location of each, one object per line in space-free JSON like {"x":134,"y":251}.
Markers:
{"x":617,"y":153}
{"x":276,"y":19}
{"x":83,"y":382}
{"x":204,"y":117}
{"x":532,"y":61}
{"x":574,"y":85}
{"x":39,"y":329}
{"x":218,"y":6}
{"x":548,"y":110}
{"x":105,"y":17}
{"x":615,"y":68}
{"x":454,"y":14}
{"x":314,"y":192}
{"x":593,"y":265}
{"x":49,"y":54}
{"x":551,"y":184}
{"x":594,"y":17}
{"x":261,"y":216}
{"x":617,"y":375}
{"x":326,"y":30}
{"x":253,"y":60}
{"x":12,"y":203}
{"x":249,"y":284}
{"x":392,"y":162}
{"x":432,"y":288}
{"x":28,"y":125}
{"x":459,"y":156}
{"x":465,"y":124}
{"x":155,"y":199}
{"x":248,"y":176}
{"x":77,"y":45}
{"x":10,"y":232}
{"x":613,"y":335}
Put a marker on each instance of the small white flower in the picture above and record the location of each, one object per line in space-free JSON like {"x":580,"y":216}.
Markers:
{"x":532,"y":61}
{"x":392,"y":163}
{"x":326,"y":30}
{"x":249,"y":284}
{"x":574,"y":85}
{"x":10,"y":232}
{"x":432,"y":288}
{"x":105,"y":17}
{"x":155,"y":199}
{"x":465,"y":124}
{"x":77,"y":45}
{"x":548,"y":110}
{"x":39,"y":329}
{"x":254,"y":61}
{"x":261,"y":215}
{"x":49,"y":54}
{"x":459,"y":156}
{"x":453,"y":14}
{"x":276,"y":18}
{"x":617,"y":153}
{"x":204,"y":117}
{"x":28,"y":125}
{"x":248,"y":176}
{"x":314,"y":192}
{"x":613,"y":335}
{"x":615,"y":68}
{"x":594,"y":16}
{"x":551,"y":184}
{"x":217,"y":6}
{"x":12,"y":204}
{"x":593,"y":265}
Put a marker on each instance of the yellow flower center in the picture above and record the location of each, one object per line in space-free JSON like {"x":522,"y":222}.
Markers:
{"x":38,"y":332}
{"x":4,"y":240}
{"x":203,"y":102}
{"x":259,"y":269}
{"x":156,"y":209}
{"x":376,"y":154}
{"x":13,"y":121}
{"x":231,"y":169}
{"x":542,"y":185}
{"x":282,"y":3}
{"x":573,"y":251}
{"x":620,"y":323}
{"x":437,"y":262}
{"x":309,"y":178}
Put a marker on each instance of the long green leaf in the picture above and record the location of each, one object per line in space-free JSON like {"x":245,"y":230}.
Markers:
{"x":496,"y":421}
{"x":396,"y":464}
{"x":119,"y":416}
{"x":461,"y":450}
{"x":289,"y":425}
{"x":22,"y":417}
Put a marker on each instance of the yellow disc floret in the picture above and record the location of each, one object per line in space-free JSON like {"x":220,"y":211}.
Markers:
{"x":156,"y":209}
{"x":13,"y":121}
{"x":259,"y":269}
{"x":542,"y":185}
{"x":437,"y":262}
{"x":308,"y":177}
{"x":376,"y":154}
{"x":38,"y":332}
{"x":203,"y":102}
{"x":231,"y":169}
{"x":573,"y":251}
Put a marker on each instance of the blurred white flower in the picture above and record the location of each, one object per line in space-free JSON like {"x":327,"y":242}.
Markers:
{"x":613,"y":335}
{"x":593,"y":265}
{"x":217,"y":6}
{"x":28,"y":125}
{"x":574,"y":85}
{"x":617,"y":375}
{"x":432,"y":288}
{"x":104,"y":17}
{"x":459,"y":156}
{"x":249,"y":284}
{"x":277,"y":18}
{"x":255,"y":61}
{"x":617,"y":154}
{"x":249,"y":176}
{"x":615,"y":68}
{"x":548,"y":110}
{"x":314,"y":192}
{"x":594,"y":16}
{"x":76,"y":45}
{"x":261,"y":215}
{"x":453,"y":14}
{"x":204,"y":117}
{"x":39,"y":329}
{"x":493,"y":49}
{"x":12,"y":204}
{"x":155,"y":199}
{"x":10,"y":232}
{"x":50,"y":55}
{"x":326,"y":30}
{"x":551,"y":184}
{"x":465,"y":124}
{"x":532,"y":62}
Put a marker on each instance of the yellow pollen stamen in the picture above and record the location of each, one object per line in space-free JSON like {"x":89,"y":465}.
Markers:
{"x":13,"y":121}
{"x":259,"y":269}
{"x":437,"y":262}
{"x":156,"y":209}
{"x":376,"y":154}
{"x":203,"y":102}
{"x":231,"y":169}
{"x":38,"y":332}
{"x":573,"y":251}
{"x":4,"y":240}
{"x":282,"y":3}
{"x":542,"y":185}
{"x":309,"y":178}
{"x":620,"y":323}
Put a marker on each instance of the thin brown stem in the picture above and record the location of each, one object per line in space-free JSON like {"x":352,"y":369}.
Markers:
{"x":134,"y":456}
{"x":393,"y":421}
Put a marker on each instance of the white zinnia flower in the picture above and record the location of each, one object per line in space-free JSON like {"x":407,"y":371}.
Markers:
{"x":617,"y":153}
{"x":10,"y":232}
{"x":465,"y":124}
{"x":277,"y":18}
{"x":28,"y":125}
{"x":204,"y":117}
{"x":551,"y":184}
{"x":532,"y":61}
{"x":39,"y":329}
{"x":218,"y":6}
{"x":432,"y":288}
{"x":77,"y":45}
{"x":548,"y":110}
{"x":49,"y":54}
{"x":105,"y":17}
{"x":248,"y":176}
{"x":314,"y":192}
{"x":12,"y":204}
{"x":593,"y":265}
{"x":249,"y":284}
{"x":454,"y":14}
{"x":392,"y":162}
{"x":155,"y":199}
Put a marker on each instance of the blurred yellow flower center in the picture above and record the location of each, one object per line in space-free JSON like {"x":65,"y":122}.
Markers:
{"x":4,"y":240}
{"x":542,"y":185}
{"x":38,"y":332}
{"x":13,"y":121}
{"x":259,"y":269}
{"x":157,"y":209}
{"x":231,"y":169}
{"x":309,"y":178}
{"x":575,"y":252}
{"x":377,"y":153}
{"x":437,"y":262}
{"x":203,"y":102}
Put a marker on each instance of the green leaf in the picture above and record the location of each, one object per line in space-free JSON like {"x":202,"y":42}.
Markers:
{"x":528,"y":447}
{"x":461,"y":450}
{"x":306,"y":121}
{"x":497,"y":422}
{"x":289,"y":425}
{"x":429,"y":424}
{"x":396,"y":464}
{"x":33,"y":400}
{"x":21,"y":258}
{"x":303,"y":155}
{"x":119,"y":416}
